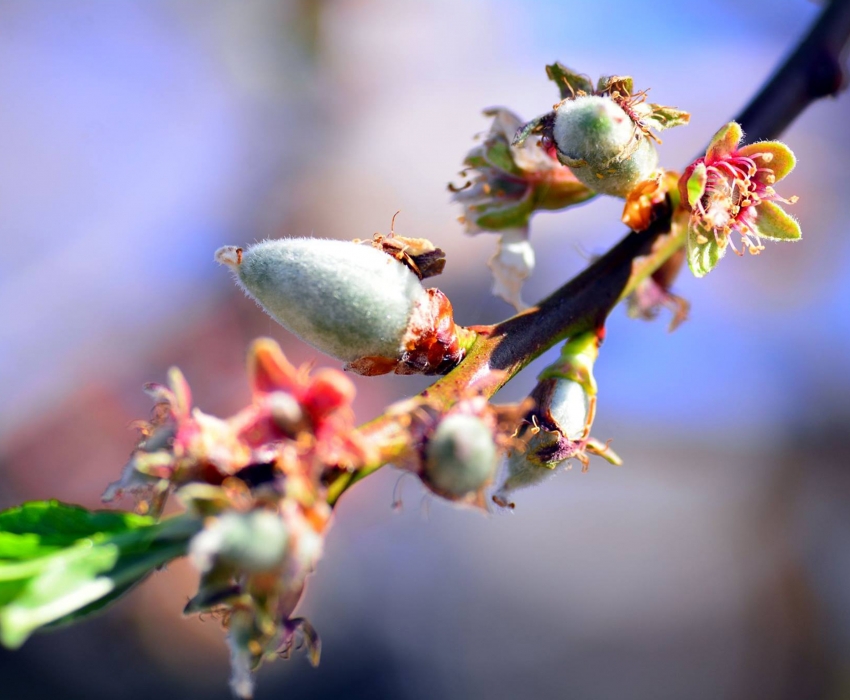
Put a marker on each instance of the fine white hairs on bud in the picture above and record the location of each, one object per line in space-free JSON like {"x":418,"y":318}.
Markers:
{"x":461,"y":457}
{"x":346,"y":300}
{"x":601,"y":144}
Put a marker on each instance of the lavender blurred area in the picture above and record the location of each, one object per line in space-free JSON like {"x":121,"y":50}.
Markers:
{"x":137,"y":137}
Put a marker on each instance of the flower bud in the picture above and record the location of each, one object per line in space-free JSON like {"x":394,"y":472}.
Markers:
{"x":461,"y":457}
{"x":558,"y":428}
{"x":252,"y":542}
{"x":603,"y":134}
{"x":347,"y":300}
{"x":595,"y":137}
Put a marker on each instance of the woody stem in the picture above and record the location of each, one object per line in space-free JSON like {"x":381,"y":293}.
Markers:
{"x":810,"y":72}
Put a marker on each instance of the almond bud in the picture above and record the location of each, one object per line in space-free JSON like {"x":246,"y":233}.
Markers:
{"x":461,"y":457}
{"x":252,"y":542}
{"x":558,"y":428}
{"x":347,"y":300}
{"x":601,"y":144}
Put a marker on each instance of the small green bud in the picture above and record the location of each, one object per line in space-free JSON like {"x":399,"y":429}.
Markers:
{"x":558,"y":428}
{"x":602,"y":145}
{"x":568,"y":408}
{"x":252,"y":542}
{"x":461,"y":456}
{"x":346,"y":300}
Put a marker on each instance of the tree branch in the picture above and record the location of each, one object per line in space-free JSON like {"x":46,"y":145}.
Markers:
{"x":812,"y":71}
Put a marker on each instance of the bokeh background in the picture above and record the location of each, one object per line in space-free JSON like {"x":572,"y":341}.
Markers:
{"x":137,"y":137}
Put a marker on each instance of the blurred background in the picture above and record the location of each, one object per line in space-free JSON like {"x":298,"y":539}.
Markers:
{"x":137,"y":137}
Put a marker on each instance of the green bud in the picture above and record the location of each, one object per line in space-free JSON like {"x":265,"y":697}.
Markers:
{"x":346,"y":300}
{"x":602,"y":145}
{"x":461,"y":456}
{"x":252,"y":542}
{"x":558,"y":427}
{"x":569,"y":408}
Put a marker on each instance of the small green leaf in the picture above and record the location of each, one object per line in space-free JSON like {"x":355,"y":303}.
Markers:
{"x":696,"y":184}
{"x":780,"y":159}
{"x":41,"y":527}
{"x":497,"y":154}
{"x":667,"y":117}
{"x":775,"y":224}
{"x":704,"y":252}
{"x":724,"y":141}
{"x":568,"y":82}
{"x":497,"y":215}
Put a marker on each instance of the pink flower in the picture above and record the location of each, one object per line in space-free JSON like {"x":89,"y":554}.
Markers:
{"x":299,"y":424}
{"x":731,"y":189}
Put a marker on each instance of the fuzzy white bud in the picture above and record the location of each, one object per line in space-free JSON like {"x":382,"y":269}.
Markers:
{"x":461,"y":456}
{"x":601,"y":144}
{"x":347,"y":300}
{"x":251,"y":542}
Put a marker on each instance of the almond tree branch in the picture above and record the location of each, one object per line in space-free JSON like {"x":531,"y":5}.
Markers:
{"x":812,"y":71}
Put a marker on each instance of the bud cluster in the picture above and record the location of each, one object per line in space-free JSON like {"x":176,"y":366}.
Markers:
{"x":505,"y":184}
{"x":257,"y":479}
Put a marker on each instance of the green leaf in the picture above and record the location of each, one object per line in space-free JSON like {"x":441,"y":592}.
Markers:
{"x":775,"y":224}
{"x":704,"y":252}
{"x":60,"y":562}
{"x":41,"y":527}
{"x":66,"y":581}
{"x":568,"y":82}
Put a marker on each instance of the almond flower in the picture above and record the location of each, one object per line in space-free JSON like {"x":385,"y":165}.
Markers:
{"x":604,"y":134}
{"x":731,"y":189}
{"x":298,"y":423}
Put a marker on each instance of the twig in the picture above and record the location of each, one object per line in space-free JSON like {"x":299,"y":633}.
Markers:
{"x":811,"y":72}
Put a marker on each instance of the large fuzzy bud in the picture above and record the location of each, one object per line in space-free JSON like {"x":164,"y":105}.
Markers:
{"x":344,"y":299}
{"x":350,"y":301}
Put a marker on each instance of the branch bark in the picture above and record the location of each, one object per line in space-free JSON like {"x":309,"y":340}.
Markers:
{"x":812,"y":71}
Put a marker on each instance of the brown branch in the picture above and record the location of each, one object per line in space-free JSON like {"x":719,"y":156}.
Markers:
{"x":812,"y":71}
